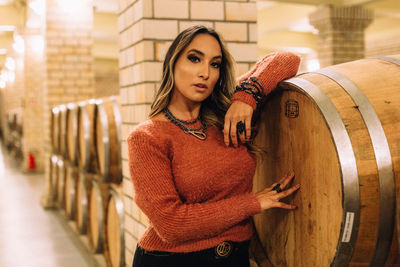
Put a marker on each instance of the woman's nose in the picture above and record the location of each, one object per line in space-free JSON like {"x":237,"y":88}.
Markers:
{"x":204,"y":71}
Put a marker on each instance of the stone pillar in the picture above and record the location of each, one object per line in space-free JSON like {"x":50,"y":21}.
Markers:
{"x":68,"y":53}
{"x":146,"y":30}
{"x":341,"y":32}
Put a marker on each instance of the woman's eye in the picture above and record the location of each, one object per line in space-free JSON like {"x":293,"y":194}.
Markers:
{"x":193,"y":58}
{"x":216,"y":65}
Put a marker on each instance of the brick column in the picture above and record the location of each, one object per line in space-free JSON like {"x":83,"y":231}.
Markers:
{"x":34,"y":99}
{"x":68,"y":53}
{"x":147,"y":28}
{"x":341,"y":32}
{"x":12,"y":94}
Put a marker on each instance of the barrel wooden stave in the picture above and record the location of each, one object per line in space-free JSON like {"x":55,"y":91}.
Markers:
{"x":114,"y":238}
{"x":289,"y":231}
{"x":82,"y":201}
{"x":382,"y":84}
{"x":71,"y":177}
{"x":60,"y":183}
{"x":62,"y":126}
{"x":282,"y":229}
{"x":54,"y":129}
{"x":86,"y":137}
{"x":366,"y":167}
{"x":72,"y":133}
{"x":53,"y":176}
{"x":108,"y":139}
{"x":97,"y":209}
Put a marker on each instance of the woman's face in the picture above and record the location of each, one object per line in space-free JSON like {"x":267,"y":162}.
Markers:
{"x":197,"y":69}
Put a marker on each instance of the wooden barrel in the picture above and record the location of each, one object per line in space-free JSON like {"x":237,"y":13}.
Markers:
{"x":9,"y":129}
{"x":71,"y":177}
{"x":60,"y":183}
{"x":19,"y":121}
{"x":338,"y":129}
{"x":72,"y":133}
{"x":82,"y":202}
{"x":12,"y":120}
{"x":114,"y":238}
{"x":55,"y":130}
{"x":62,"y":126}
{"x":86,"y":140}
{"x":53,"y":176}
{"x":108,"y":139}
{"x":97,"y":209}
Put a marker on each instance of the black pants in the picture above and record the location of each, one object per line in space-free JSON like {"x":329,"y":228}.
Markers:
{"x":239,"y":257}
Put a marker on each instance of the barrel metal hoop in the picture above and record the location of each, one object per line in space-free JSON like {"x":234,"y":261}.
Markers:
{"x":99,"y":201}
{"x":63,"y":132}
{"x":119,"y":205}
{"x":53,"y":177}
{"x":75,"y":125}
{"x":106,"y":139}
{"x":55,"y":115}
{"x":86,"y":135}
{"x":390,"y":59}
{"x":72,"y":113}
{"x":348,"y":168}
{"x":118,"y":123}
{"x":383,"y":160}
{"x":70,"y":214}
{"x":60,"y":182}
{"x":84,"y":204}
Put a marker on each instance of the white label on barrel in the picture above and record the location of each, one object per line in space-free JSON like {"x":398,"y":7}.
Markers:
{"x":348,"y":227}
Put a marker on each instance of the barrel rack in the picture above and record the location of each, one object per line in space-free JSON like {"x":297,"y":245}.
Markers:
{"x":86,"y":175}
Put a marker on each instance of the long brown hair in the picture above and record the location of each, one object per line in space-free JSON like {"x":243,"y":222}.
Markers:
{"x":213,"y":108}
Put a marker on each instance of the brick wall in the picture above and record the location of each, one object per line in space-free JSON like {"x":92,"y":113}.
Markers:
{"x":106,"y":77}
{"x":146,"y":29}
{"x":68,"y":60}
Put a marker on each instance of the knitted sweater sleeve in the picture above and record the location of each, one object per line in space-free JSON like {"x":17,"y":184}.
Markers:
{"x":270,"y":71}
{"x":156,"y":195}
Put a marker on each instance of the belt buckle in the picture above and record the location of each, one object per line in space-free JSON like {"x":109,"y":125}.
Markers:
{"x":223,"y":249}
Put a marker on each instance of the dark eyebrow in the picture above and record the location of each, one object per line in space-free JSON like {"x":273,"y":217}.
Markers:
{"x":202,"y":54}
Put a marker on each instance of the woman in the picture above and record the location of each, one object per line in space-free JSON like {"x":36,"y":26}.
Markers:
{"x":194,"y":187}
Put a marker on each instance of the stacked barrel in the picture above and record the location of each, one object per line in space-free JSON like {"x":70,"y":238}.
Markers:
{"x":14,"y":133}
{"x":86,"y":174}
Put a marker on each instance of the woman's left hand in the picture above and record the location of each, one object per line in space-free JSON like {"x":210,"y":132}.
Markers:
{"x":238,"y":111}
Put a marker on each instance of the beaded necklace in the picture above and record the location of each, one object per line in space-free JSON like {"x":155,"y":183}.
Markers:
{"x":181,"y":124}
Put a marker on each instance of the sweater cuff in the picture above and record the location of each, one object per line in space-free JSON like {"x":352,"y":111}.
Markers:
{"x":246,"y":98}
{"x":255,"y":206}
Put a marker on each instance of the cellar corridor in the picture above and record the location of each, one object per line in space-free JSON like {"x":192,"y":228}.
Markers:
{"x":29,"y":235}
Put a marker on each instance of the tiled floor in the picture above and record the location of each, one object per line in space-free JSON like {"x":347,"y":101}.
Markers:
{"x":29,"y":235}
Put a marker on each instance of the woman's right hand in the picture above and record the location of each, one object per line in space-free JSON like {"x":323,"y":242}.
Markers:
{"x":270,"y":198}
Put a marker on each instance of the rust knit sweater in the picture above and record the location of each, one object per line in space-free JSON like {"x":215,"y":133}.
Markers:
{"x":196,"y":193}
